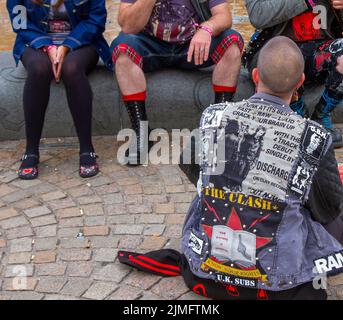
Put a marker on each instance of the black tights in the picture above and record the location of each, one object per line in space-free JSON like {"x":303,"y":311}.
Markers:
{"x":76,"y":66}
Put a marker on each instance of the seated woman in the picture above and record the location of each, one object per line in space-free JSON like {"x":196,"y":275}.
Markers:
{"x":60,"y":40}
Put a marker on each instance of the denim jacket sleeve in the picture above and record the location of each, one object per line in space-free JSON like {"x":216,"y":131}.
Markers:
{"x":32,"y":34}
{"x":268,"y":13}
{"x":87,"y":30}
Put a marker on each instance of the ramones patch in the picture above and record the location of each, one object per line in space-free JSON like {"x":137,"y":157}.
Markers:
{"x":331,"y":264}
{"x":195,"y":243}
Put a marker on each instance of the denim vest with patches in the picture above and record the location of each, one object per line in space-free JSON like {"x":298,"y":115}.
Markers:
{"x":248,"y":226}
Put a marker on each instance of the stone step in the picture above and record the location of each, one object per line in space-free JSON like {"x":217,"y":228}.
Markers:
{"x":176,"y":100}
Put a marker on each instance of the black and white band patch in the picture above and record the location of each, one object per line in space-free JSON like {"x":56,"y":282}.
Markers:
{"x":314,"y":141}
{"x":195,"y":243}
{"x":330,"y":264}
{"x":300,"y":178}
{"x":247,"y":283}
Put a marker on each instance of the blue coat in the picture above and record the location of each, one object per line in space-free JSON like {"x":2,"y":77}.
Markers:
{"x":87,"y":17}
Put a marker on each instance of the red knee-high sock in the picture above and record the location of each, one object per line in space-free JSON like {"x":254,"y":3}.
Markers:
{"x":139,"y":96}
{"x":223,"y":93}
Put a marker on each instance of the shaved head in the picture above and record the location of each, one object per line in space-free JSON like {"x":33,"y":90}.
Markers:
{"x":280,"y":65}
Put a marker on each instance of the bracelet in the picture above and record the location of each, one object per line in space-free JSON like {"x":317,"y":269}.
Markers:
{"x":208,"y":29}
{"x":310,"y":3}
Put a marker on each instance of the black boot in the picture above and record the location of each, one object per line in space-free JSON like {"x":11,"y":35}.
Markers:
{"x":137,"y":153}
{"x":323,"y":115}
{"x":222,"y":97}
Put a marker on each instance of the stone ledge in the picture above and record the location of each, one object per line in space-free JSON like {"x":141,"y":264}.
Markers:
{"x":176,"y":99}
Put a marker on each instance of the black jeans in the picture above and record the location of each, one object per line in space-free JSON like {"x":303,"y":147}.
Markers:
{"x":76,"y":66}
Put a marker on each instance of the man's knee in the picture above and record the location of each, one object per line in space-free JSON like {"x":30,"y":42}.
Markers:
{"x":232,"y":54}
{"x":126,"y":46}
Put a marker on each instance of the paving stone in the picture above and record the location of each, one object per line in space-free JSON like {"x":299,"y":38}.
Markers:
{"x":45,"y":232}
{"x":37,"y":212}
{"x":20,"y":245}
{"x":71,"y":222}
{"x":121,"y":219}
{"x":141,"y":280}
{"x":24,"y":184}
{"x":104,"y":242}
{"x":20,"y":232}
{"x":126,"y":293}
{"x":127,"y":181}
{"x":17,"y":196}
{"x":68,"y":212}
{"x":5,"y":189}
{"x":95,"y":221}
{"x":133,"y":189}
{"x":55,"y":297}
{"x":55,"y":195}
{"x":182,"y":208}
{"x":128,"y":229}
{"x":96,"y":231}
{"x":149,"y":296}
{"x":165,"y":208}
{"x":70,"y":243}
{"x":7,"y":213}
{"x":75,"y":254}
{"x":113,"y":198}
{"x":2,"y":243}
{"x":50,"y":284}
{"x":155,"y":198}
{"x":27,"y":295}
{"x":186,"y":197}
{"x":150,"y":218}
{"x":175,"y":219}
{"x":93,"y":210}
{"x":175,"y":188}
{"x":51,"y":269}
{"x":192,"y":296}
{"x":89,"y":200}
{"x":336,"y":280}
{"x":21,"y":270}
{"x":80,"y":191}
{"x":76,"y":287}
{"x":173,"y":231}
{"x":8,"y":176}
{"x":154,"y":230}
{"x":100,"y":290}
{"x":139,"y":209}
{"x":130,"y":242}
{"x":105,"y":255}
{"x":44,"y":257}
{"x":99,"y":181}
{"x":20,"y":284}
{"x":43,"y":221}
{"x":61,"y":204}
{"x":68,"y":232}
{"x":107,"y":189}
{"x":170,"y":288}
{"x":116,"y":209}
{"x":112,"y":272}
{"x":70,"y":183}
{"x":153,"y":243}
{"x":19,"y":258}
{"x":13,"y":223}
{"x":42,"y":244}
{"x":80,"y":269}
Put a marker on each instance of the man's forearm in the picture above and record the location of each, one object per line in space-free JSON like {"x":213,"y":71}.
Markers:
{"x":218,"y":23}
{"x":134,"y":18}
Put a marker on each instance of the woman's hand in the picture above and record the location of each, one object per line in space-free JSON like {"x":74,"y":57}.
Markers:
{"x":61,"y":53}
{"x":51,"y":51}
{"x":337,"y":4}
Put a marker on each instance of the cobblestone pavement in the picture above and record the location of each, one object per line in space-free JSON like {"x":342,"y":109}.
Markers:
{"x":139,"y":209}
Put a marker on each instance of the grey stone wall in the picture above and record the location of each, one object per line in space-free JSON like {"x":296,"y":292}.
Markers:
{"x":175,"y":100}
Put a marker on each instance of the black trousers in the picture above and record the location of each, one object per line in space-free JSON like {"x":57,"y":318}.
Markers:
{"x":171,"y":263}
{"x":76,"y":66}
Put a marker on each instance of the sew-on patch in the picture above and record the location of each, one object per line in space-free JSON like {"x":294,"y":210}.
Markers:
{"x":314,"y":142}
{"x":332,"y":263}
{"x":195,"y":243}
{"x":301,"y":178}
{"x":236,"y":281}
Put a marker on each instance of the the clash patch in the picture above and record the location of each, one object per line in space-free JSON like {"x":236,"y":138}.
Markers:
{"x":238,"y":228}
{"x":250,"y":148}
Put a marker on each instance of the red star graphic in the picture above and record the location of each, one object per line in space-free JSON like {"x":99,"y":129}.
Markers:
{"x":234,"y":222}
